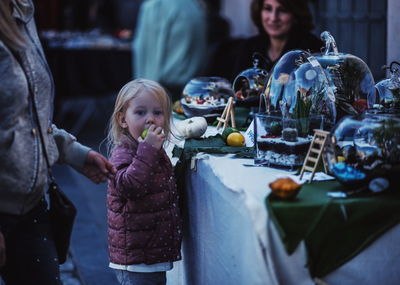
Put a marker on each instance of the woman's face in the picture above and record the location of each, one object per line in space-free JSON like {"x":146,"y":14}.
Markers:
{"x":276,"y":20}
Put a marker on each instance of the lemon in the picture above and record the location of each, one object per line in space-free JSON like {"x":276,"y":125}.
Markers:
{"x":228,"y":131}
{"x":235,"y":139}
{"x":144,"y":133}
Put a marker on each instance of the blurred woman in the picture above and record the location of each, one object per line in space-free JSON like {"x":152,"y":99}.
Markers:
{"x":283,"y":25}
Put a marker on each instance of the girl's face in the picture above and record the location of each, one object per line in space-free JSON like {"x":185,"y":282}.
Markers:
{"x":143,"y":111}
{"x":276,"y":20}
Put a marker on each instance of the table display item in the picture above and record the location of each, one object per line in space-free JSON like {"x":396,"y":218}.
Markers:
{"x":298,"y":87}
{"x":351,"y":77}
{"x":284,"y":188}
{"x":193,"y":127}
{"x":206,"y":96}
{"x":365,"y":147}
{"x":227,"y":115}
{"x":249,"y":84}
{"x":314,"y":154}
{"x":281,"y":141}
{"x":235,"y":139}
{"x":389,"y":89}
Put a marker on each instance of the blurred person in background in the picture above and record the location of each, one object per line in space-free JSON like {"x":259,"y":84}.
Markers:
{"x":26,"y":234}
{"x":218,"y":28}
{"x":283,"y":25}
{"x":170,"y":42}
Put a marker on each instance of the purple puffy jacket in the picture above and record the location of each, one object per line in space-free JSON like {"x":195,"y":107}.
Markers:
{"x":144,"y":222}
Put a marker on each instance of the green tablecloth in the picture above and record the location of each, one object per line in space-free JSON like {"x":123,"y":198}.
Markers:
{"x":334,"y":230}
{"x":214,"y":144}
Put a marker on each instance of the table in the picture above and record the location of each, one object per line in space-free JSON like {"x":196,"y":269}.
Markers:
{"x":229,"y":238}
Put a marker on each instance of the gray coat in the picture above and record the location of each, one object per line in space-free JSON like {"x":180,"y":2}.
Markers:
{"x":23,"y":172}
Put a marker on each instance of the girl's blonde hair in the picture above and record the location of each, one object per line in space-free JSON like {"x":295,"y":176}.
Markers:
{"x":128,"y":92}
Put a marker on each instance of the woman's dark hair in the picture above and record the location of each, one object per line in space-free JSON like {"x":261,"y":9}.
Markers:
{"x":299,"y":9}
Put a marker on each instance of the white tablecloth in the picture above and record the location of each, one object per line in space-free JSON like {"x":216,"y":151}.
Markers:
{"x":230,"y":240}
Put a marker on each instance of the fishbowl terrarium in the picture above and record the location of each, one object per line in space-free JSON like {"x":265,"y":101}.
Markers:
{"x":206,"y":96}
{"x":389,"y":89}
{"x":249,"y":84}
{"x":365,"y":147}
{"x":283,"y":142}
{"x":299,"y":88}
{"x":351,"y":77}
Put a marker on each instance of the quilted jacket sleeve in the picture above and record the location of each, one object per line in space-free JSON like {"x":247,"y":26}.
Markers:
{"x":134,"y":170}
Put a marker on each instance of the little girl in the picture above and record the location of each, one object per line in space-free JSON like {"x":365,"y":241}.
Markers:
{"x":144,"y":222}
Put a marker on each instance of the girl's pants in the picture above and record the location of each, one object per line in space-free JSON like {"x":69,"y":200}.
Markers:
{"x":31,"y":256}
{"x":141,"y":278}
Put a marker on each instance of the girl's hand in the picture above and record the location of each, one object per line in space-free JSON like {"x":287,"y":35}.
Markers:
{"x":155,"y":136}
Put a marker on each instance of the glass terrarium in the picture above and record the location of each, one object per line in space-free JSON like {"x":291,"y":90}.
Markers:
{"x":206,"y":96}
{"x":281,"y":141}
{"x":249,"y":84}
{"x":299,"y":88}
{"x":389,"y":89}
{"x":365,"y":147}
{"x":352,"y":79}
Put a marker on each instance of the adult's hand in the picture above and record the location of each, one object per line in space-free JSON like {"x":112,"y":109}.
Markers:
{"x":2,"y":250}
{"x":97,"y":168}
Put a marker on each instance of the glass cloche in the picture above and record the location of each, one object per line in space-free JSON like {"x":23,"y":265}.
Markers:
{"x":299,"y":88}
{"x":389,"y":89}
{"x":206,"y":96}
{"x":249,"y":84}
{"x":365,"y":147}
{"x":351,"y":76}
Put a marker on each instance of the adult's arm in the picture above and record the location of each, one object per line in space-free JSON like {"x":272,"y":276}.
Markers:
{"x":86,"y":161}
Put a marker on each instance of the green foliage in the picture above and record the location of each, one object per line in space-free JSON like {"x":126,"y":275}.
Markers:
{"x":387,"y":138}
{"x":301,"y":113}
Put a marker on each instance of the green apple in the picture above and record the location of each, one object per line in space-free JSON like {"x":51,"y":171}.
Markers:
{"x":144,"y":133}
{"x":228,"y":131}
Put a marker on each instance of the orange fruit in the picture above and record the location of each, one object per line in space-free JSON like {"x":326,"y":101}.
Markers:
{"x":235,"y":139}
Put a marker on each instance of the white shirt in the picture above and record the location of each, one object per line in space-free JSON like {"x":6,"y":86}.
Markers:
{"x":157,"y":267}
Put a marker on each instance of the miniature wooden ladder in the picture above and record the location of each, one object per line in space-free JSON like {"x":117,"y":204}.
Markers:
{"x":228,"y":113}
{"x":314,"y":153}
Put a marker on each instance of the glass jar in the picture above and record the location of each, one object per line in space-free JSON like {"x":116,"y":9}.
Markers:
{"x":365,"y":147}
{"x":249,"y":84}
{"x":206,"y":96}
{"x":282,"y":141}
{"x":389,"y":89}
{"x":351,"y":77}
{"x":299,"y":88}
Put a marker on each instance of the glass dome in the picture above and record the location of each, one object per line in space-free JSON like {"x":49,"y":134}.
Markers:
{"x":389,"y":89}
{"x":205,"y":96}
{"x":365,"y":147}
{"x":249,"y":84}
{"x":354,"y":84}
{"x":298,"y":88}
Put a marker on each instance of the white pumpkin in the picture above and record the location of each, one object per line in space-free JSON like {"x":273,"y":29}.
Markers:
{"x":194,"y":127}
